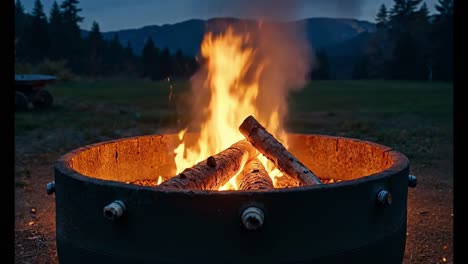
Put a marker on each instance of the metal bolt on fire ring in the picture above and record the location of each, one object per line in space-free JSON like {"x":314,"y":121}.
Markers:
{"x":114,"y":210}
{"x":412,"y":181}
{"x":384,"y":198}
{"x":50,"y":187}
{"x":252,"y":218}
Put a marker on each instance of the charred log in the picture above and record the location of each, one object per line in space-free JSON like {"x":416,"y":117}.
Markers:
{"x":269,"y":146}
{"x":215,"y":171}
{"x":254,"y":177}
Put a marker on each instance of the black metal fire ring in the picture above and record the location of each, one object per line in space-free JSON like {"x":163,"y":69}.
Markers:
{"x":321,"y":223}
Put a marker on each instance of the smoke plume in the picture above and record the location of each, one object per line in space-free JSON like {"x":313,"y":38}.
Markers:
{"x":280,"y":48}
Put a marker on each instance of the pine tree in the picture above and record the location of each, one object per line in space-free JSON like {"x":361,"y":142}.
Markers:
{"x":401,"y":14}
{"x":55,"y":30}
{"x":19,"y":7}
{"x":129,"y":61}
{"x":38,"y":34}
{"x":421,"y":33}
{"x":408,"y":27}
{"x":373,"y":62}
{"x":71,"y":36}
{"x":444,"y":9}
{"x":129,"y":49}
{"x":95,"y":36}
{"x":165,"y":63}
{"x":178,"y":62}
{"x":114,"y":58}
{"x":38,"y":11}
{"x":442,"y":40}
{"x":94,"y":49}
{"x":70,"y":12}
{"x":423,"y":11}
{"x":21,"y":25}
{"x":382,"y":17}
{"x":19,"y":18}
{"x":149,"y":60}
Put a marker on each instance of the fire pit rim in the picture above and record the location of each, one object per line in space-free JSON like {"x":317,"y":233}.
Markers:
{"x":400,"y":162}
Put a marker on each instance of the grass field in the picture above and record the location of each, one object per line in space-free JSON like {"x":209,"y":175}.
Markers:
{"x":412,"y":117}
{"x":415,"y":118}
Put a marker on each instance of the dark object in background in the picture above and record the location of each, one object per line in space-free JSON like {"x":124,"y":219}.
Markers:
{"x":29,"y":90}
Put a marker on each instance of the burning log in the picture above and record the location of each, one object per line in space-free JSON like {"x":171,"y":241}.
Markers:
{"x":216,"y":170}
{"x":262,"y":140}
{"x":254,"y":177}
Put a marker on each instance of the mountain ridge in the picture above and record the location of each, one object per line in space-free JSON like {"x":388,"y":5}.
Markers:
{"x":343,"y":39}
{"x":187,"y":35}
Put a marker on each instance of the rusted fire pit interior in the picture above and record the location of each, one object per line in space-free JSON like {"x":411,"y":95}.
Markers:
{"x":361,"y":219}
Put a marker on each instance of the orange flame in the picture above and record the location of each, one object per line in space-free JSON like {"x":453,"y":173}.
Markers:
{"x":229,"y":64}
{"x":160,"y":179}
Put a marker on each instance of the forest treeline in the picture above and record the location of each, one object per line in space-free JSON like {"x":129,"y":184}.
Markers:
{"x":409,"y":44}
{"x":56,"y":42}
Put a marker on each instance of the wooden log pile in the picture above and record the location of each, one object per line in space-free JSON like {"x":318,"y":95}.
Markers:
{"x":241,"y":159}
{"x":271,"y":148}
{"x":216,"y":170}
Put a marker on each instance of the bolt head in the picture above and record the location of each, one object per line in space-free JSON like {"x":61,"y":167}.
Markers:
{"x":384,"y":198}
{"x":50,"y":187}
{"x":114,"y":210}
{"x":412,"y":181}
{"x":252,"y":218}
{"x":110,"y":213}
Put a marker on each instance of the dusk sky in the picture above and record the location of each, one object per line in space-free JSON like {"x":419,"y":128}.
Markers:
{"x":125,"y":14}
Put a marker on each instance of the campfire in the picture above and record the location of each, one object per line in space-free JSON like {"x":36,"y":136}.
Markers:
{"x":241,"y":162}
{"x":237,"y":190}
{"x":235,"y":73}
